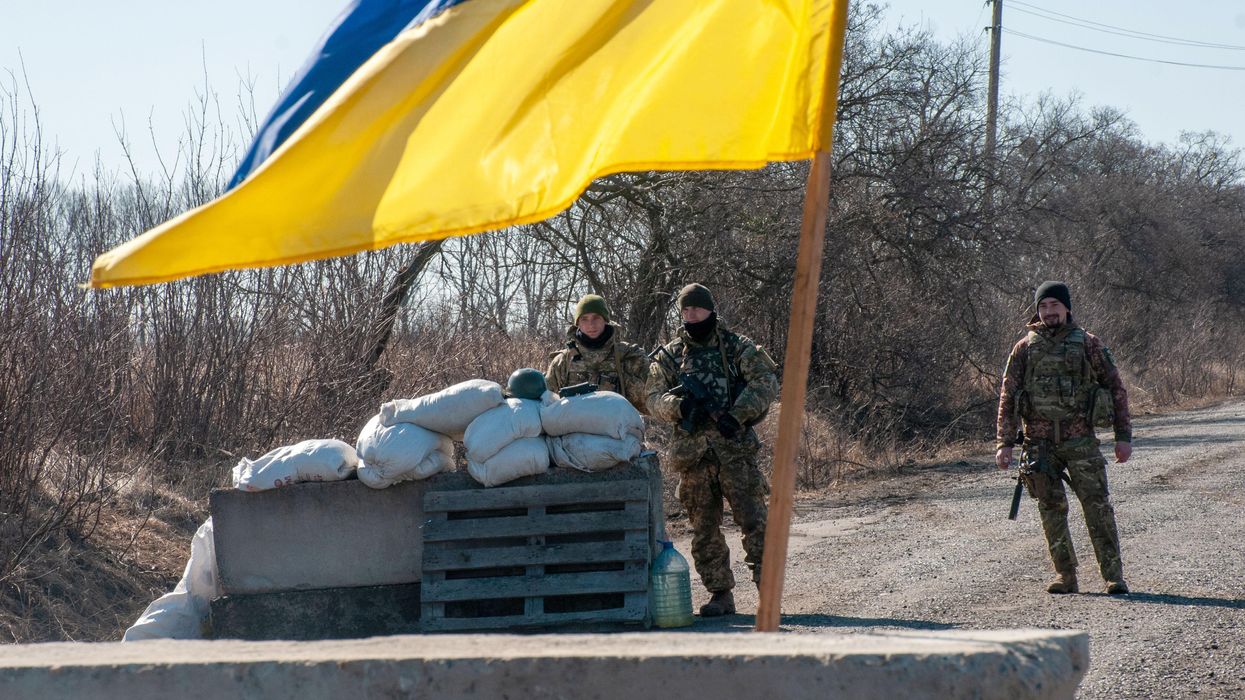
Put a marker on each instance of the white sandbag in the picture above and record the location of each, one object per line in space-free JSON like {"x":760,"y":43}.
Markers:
{"x":401,"y":452}
{"x":598,"y":413}
{"x":497,"y":427}
{"x":183,"y":613}
{"x":592,"y":453}
{"x":309,"y":460}
{"x":523,"y":457}
{"x":448,"y":411}
{"x":435,"y":463}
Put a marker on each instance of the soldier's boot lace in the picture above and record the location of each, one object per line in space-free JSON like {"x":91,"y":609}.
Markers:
{"x":722,"y":603}
{"x":1117,"y":587}
{"x":1064,"y":583}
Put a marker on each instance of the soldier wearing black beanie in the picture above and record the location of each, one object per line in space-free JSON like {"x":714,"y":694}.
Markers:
{"x":1053,"y":290}
{"x":1060,"y":383}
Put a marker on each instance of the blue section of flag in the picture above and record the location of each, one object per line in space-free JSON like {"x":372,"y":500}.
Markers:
{"x":358,"y":32}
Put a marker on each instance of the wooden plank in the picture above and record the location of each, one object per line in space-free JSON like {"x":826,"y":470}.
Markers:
{"x":529,"y":525}
{"x":585,"y":583}
{"x":525,"y":496}
{"x":648,"y":461}
{"x":459,"y":624}
{"x":428,"y":609}
{"x":437,"y":557}
{"x":535,"y":605}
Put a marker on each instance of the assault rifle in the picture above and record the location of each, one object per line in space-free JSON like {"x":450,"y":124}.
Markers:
{"x":703,"y":405}
{"x":1034,"y":459}
{"x":577,"y":389}
{"x":1020,"y":484}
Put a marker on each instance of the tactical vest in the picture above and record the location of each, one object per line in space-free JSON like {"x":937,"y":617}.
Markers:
{"x":606,"y":372}
{"x":712,"y":365}
{"x":1059,"y":382}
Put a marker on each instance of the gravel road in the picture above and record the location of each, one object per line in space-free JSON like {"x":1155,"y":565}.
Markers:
{"x":931,"y":549}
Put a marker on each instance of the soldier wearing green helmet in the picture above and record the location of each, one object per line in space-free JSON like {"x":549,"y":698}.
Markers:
{"x":596,"y":353}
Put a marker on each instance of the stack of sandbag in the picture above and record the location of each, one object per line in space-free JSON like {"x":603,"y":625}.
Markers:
{"x":183,"y":612}
{"x":309,"y":460}
{"x":505,"y":443}
{"x":448,"y":411}
{"x":401,"y":452}
{"x":592,"y":432}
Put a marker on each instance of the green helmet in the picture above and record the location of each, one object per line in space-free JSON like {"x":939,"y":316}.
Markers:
{"x":526,"y":383}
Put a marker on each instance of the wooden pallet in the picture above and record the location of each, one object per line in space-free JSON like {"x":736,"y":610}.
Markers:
{"x":536,"y":556}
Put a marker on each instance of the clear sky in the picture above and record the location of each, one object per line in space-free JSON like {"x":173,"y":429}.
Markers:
{"x":1162,"y":99}
{"x":91,"y":64}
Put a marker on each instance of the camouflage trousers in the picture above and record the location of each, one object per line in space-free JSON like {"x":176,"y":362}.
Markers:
{"x":711,"y":468}
{"x":1087,"y":472}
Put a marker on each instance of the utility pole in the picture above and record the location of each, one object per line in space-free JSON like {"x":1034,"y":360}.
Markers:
{"x":992,"y":102}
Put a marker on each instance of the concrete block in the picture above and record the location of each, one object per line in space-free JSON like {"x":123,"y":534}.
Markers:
{"x":1011,"y":664}
{"x":317,"y":535}
{"x":332,"y":613}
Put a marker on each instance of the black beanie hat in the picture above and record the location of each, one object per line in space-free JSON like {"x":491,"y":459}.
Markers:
{"x":695,"y":295}
{"x":1053,"y":290}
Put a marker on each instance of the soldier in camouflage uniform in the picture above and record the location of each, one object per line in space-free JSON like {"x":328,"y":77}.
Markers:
{"x":595,"y":352}
{"x":717,"y":456}
{"x":1061,"y":380}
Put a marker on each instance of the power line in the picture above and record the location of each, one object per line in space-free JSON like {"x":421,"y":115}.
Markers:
{"x":1113,"y":29}
{"x":1132,"y":35}
{"x":1120,"y":55}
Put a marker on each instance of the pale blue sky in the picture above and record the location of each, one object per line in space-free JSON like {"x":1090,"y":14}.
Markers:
{"x":89,"y":63}
{"x":1162,"y":99}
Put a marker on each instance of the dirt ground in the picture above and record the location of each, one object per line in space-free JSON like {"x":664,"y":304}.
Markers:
{"x":932,"y":549}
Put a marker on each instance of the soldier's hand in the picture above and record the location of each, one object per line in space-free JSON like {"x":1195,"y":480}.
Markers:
{"x":728,"y":426}
{"x":687,"y":406}
{"x":1003,"y":458}
{"x":1123,"y":450}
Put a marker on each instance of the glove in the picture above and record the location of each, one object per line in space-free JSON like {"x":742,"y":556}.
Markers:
{"x":687,"y":406}
{"x":729,"y":427}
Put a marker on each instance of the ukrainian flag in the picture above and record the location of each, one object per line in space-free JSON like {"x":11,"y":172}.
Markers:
{"x":459,"y":116}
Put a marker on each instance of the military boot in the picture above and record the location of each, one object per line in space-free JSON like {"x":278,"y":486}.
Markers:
{"x":1117,"y":587}
{"x":722,"y":603}
{"x":1065,"y":583}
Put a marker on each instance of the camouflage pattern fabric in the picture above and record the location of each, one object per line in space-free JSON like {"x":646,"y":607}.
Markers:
{"x":1078,"y":424}
{"x":710,"y":470}
{"x":617,"y":366}
{"x":710,"y":467}
{"x":1087,"y":471}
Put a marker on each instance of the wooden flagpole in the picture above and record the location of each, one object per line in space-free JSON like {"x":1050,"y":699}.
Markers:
{"x":800,"y":340}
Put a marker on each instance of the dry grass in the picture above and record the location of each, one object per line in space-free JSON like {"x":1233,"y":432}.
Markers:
{"x":92,"y":588}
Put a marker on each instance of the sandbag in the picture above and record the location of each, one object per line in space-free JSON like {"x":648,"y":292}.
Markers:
{"x":183,"y":613}
{"x":448,"y":411}
{"x":309,"y":460}
{"x":401,"y":452}
{"x":523,"y":457}
{"x":598,"y":413}
{"x":592,"y":453}
{"x":497,"y":427}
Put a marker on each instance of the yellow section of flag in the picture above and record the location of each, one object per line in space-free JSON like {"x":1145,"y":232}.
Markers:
{"x":501,"y":112}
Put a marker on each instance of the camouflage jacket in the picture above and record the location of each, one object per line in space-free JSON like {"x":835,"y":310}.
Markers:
{"x":727,"y":363}
{"x":1014,"y":409}
{"x":617,"y":366}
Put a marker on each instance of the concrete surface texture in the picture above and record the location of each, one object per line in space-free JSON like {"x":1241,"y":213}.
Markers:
{"x":1011,"y":664}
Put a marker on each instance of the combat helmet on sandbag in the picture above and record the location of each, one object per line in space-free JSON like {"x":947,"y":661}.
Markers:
{"x":526,"y":383}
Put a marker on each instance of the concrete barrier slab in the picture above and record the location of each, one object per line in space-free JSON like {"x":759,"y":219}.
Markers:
{"x":1010,"y":664}
{"x":343,"y":534}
